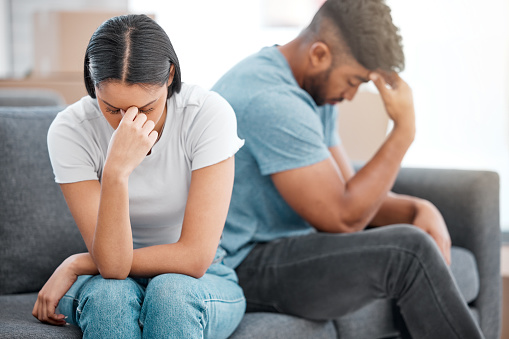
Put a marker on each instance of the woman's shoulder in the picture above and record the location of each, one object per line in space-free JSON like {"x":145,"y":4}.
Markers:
{"x":84,"y":110}
{"x":196,"y":96}
{"x":82,"y":118}
{"x":194,"y":103}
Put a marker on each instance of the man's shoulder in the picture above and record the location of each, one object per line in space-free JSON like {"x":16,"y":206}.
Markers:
{"x":257,"y":75}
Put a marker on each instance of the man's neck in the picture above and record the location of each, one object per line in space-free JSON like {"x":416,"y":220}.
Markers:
{"x":295,"y":53}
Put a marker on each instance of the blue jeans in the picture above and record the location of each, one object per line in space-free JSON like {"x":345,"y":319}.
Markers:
{"x":166,"y":306}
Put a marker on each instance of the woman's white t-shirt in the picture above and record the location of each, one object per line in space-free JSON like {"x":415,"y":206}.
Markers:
{"x":200,"y":130}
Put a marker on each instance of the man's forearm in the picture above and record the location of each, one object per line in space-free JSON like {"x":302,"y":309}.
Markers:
{"x":396,"y":209}
{"x":367,"y":190}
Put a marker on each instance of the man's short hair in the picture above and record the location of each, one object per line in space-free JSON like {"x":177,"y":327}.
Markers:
{"x":362,"y":29}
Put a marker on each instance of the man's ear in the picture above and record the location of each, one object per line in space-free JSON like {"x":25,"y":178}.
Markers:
{"x":172,"y":74}
{"x":320,"y":56}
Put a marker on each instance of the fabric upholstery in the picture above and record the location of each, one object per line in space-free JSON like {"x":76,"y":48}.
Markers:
{"x":37,"y":231}
{"x":464,"y":270}
{"x":30,"y":97}
{"x":282,"y":326}
{"x":16,"y":320}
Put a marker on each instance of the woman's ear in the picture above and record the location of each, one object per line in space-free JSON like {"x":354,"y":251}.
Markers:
{"x":172,"y":75}
{"x":320,"y":56}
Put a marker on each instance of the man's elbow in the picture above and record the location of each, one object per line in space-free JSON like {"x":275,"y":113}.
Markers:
{"x":349,"y":224}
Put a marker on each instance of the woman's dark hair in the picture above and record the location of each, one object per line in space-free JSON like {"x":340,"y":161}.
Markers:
{"x":365,"y":27}
{"x":132,"y":49}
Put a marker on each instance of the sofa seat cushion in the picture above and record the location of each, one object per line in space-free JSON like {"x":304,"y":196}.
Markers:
{"x":465,"y":273}
{"x":16,"y":320}
{"x":282,"y":326}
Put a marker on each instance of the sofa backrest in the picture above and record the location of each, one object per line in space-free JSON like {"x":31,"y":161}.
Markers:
{"x":37,"y":231}
{"x":24,"y":97}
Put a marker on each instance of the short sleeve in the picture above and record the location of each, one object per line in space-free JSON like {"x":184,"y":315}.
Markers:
{"x":283,"y":132}
{"x":212,"y":136}
{"x":70,"y":159}
{"x":330,"y":122}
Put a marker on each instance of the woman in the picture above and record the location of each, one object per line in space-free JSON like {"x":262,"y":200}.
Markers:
{"x":146,"y":166}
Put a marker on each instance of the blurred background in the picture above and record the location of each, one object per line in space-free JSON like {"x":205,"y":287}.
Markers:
{"x":457,"y":54}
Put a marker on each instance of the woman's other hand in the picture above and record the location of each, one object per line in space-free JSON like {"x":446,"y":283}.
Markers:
{"x":55,"y":288}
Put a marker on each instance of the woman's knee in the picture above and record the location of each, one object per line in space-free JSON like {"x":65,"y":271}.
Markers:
{"x":174,"y":291}
{"x":107,"y":294}
{"x":174,"y":305}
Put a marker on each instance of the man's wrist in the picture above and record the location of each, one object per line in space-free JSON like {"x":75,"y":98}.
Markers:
{"x":406,"y":128}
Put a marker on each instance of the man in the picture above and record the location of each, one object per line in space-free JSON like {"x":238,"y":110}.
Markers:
{"x":293,"y":229}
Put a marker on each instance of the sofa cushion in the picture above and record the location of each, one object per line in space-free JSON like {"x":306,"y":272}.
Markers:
{"x":37,"y":231}
{"x":282,"y":326}
{"x":465,"y":273}
{"x":16,"y":320}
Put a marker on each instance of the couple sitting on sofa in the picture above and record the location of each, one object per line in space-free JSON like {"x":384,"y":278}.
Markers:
{"x":146,"y":165}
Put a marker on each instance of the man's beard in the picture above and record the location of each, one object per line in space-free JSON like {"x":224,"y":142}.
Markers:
{"x":316,"y":86}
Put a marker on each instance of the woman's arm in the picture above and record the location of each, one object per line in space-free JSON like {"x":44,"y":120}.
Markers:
{"x":204,"y":218}
{"x":205,"y":214}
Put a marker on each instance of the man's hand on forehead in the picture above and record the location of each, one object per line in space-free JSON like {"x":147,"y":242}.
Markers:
{"x":390,"y":78}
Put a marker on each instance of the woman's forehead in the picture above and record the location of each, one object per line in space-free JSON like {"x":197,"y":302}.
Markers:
{"x":119,"y":94}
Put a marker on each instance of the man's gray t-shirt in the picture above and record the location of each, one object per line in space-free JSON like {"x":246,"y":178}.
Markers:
{"x":283,"y":129}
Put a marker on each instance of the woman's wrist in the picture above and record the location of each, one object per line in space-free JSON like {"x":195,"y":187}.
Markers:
{"x":82,"y":264}
{"x":113,"y":174}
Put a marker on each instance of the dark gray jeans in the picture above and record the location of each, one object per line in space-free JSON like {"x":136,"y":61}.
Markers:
{"x":325,"y":276}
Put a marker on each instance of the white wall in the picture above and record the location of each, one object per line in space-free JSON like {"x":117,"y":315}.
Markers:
{"x":4,"y":36}
{"x":210,"y":36}
{"x":457,"y":55}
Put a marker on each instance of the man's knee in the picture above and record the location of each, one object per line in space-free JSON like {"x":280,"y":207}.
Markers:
{"x":411,"y":239}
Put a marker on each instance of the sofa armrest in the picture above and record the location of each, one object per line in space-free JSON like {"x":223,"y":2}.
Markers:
{"x":469,"y":203}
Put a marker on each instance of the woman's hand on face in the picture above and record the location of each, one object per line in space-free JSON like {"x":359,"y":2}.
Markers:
{"x":55,"y":288}
{"x":131,"y":141}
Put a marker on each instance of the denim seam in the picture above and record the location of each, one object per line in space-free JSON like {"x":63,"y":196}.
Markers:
{"x":224,"y":301}
{"x":360,"y":250}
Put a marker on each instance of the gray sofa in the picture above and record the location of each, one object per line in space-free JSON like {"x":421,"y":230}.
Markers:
{"x":37,"y":232}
